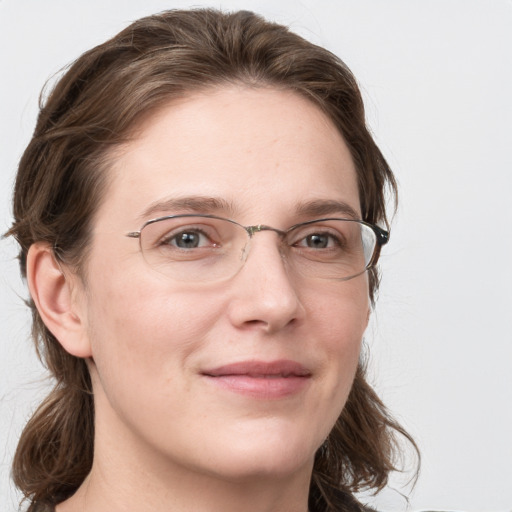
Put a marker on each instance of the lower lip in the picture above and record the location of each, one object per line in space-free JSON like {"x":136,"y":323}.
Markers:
{"x":266,"y":388}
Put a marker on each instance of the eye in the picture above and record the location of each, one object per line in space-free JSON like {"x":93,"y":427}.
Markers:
{"x":320,"y":240}
{"x":317,"y":241}
{"x":190,"y":238}
{"x":186,"y":240}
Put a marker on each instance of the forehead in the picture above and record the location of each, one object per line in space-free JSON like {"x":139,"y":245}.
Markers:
{"x":256,"y":148}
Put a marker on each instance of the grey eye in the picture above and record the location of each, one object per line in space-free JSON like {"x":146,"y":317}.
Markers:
{"x":187,"y":240}
{"x":317,"y":241}
{"x":320,"y":241}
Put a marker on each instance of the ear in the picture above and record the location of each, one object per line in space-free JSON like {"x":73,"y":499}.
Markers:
{"x":55,"y":295}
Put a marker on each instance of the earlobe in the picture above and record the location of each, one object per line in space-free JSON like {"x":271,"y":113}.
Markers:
{"x":53,"y":294}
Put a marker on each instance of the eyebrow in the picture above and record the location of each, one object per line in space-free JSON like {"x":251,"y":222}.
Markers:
{"x":215,"y":205}
{"x":190,"y":204}
{"x":322,"y":207}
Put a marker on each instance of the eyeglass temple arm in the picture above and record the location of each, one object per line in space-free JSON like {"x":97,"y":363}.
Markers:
{"x":382,"y":235}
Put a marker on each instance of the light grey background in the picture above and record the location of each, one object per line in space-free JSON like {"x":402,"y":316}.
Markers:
{"x":437,"y":79}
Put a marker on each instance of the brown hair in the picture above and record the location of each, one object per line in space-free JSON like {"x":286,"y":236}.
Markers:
{"x":63,"y":174}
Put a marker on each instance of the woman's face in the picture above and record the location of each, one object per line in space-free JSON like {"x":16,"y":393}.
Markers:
{"x":239,"y":377}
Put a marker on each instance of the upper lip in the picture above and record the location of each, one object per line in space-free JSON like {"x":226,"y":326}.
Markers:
{"x":283,"y":368}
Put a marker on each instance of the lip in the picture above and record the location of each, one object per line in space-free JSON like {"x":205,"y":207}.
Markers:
{"x":261,"y":379}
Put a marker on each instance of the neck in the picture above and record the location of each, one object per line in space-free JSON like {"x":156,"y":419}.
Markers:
{"x":140,"y":490}
{"x":129,"y":474}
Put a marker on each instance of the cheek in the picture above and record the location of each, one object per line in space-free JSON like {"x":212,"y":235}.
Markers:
{"x":142,"y":332}
{"x":336,"y":319}
{"x":340,"y":319}
{"x":341,"y":312}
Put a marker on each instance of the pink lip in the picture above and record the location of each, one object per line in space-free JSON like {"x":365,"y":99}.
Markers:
{"x":260,"y":379}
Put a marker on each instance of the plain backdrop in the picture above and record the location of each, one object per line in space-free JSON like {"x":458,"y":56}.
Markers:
{"x":437,"y":81}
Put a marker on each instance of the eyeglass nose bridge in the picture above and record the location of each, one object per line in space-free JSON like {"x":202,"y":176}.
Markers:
{"x":263,"y":227}
{"x":251,"y":230}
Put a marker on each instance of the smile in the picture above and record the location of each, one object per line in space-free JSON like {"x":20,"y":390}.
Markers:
{"x":263,"y":380}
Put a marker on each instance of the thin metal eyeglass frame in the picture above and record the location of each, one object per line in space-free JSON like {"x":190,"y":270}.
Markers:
{"x":381,"y":235}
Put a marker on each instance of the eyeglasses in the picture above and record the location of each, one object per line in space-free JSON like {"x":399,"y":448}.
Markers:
{"x":206,"y":248}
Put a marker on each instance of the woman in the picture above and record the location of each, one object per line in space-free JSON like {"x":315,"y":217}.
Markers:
{"x":197,"y":214}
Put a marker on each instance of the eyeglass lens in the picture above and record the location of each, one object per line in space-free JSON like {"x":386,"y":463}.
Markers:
{"x":200,"y":248}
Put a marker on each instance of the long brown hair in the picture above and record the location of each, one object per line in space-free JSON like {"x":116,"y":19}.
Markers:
{"x":64,"y":173}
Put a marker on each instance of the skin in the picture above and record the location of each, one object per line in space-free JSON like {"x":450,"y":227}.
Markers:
{"x":164,"y":431}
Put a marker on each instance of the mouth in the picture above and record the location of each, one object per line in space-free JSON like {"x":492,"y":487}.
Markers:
{"x":260,"y":379}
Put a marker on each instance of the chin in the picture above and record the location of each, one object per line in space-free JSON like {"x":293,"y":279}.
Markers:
{"x":266,"y":454}
{"x":269,"y":466}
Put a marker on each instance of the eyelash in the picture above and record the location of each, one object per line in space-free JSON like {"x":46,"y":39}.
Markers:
{"x":168,"y":238}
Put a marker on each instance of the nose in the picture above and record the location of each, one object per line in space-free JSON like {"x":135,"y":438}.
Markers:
{"x":264,"y":294}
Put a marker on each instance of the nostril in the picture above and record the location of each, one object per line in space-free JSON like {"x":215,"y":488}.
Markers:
{"x":256,"y":323}
{"x":267,"y":326}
